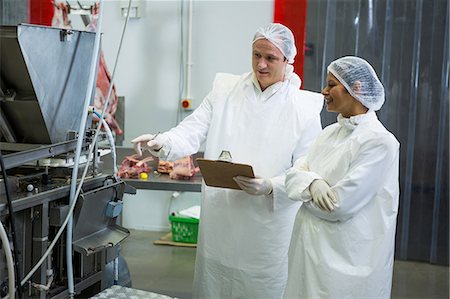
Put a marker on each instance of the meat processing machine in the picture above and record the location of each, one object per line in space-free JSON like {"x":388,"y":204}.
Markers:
{"x":44,"y":74}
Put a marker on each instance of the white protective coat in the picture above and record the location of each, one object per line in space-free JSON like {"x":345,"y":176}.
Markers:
{"x":244,"y":239}
{"x":348,"y":253}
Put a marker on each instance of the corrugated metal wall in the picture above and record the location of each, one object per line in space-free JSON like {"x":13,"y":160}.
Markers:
{"x":407,"y":42}
{"x":13,"y":12}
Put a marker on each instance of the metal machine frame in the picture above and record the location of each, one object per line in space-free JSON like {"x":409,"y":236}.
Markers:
{"x":43,"y":76}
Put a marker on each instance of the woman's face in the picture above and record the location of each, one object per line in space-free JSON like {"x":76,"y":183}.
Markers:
{"x":339,"y":100}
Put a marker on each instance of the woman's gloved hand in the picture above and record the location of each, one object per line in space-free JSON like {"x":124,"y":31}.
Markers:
{"x":146,"y":142}
{"x":254,"y":186}
{"x":322,"y":195}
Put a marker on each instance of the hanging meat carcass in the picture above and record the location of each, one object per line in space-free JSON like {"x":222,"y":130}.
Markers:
{"x":61,"y":20}
{"x":103,"y":82}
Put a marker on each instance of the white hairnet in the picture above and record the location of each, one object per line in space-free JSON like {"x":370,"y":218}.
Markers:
{"x":281,"y":37}
{"x":360,"y":80}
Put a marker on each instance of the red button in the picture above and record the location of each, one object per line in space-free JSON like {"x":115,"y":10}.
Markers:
{"x":186,"y":103}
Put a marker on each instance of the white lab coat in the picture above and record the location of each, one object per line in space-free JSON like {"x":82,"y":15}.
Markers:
{"x":243,"y":239}
{"x":348,"y":253}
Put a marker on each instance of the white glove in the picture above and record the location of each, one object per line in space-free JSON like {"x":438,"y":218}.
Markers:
{"x":254,"y":186}
{"x":322,"y":195}
{"x":146,"y":142}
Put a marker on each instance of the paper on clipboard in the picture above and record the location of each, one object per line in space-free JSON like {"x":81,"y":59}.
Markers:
{"x":217,"y":173}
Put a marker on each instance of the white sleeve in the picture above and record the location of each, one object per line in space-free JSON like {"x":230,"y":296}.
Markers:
{"x":186,"y":138}
{"x":364,"y":179}
{"x":298,"y":179}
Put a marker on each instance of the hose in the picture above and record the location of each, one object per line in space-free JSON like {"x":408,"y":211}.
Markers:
{"x":81,"y":130}
{"x":9,"y":260}
{"x":12,"y":223}
{"x":110,"y":140}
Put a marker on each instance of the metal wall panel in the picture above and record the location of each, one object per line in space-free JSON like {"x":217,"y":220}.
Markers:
{"x":13,"y":12}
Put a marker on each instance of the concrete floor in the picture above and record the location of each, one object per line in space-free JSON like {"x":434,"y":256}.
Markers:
{"x":169,"y":270}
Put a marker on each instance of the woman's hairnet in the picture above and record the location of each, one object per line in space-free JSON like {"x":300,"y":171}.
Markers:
{"x":360,"y":80}
{"x":281,"y":37}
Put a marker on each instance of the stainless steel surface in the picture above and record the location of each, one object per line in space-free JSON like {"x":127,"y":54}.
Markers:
{"x":163,"y":182}
{"x":36,"y":226}
{"x":124,"y":292}
{"x":94,"y":233}
{"x":156,"y":181}
{"x":48,"y":76}
{"x":93,"y":230}
{"x":57,"y":215}
{"x":100,"y":240}
{"x":43,"y":79}
{"x":39,"y":242}
{"x":82,"y":285}
{"x":26,"y":200}
{"x":5,"y":127}
{"x":20,"y":157}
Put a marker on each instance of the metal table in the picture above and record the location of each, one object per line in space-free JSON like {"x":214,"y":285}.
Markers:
{"x":156,"y":181}
{"x":163,"y":182}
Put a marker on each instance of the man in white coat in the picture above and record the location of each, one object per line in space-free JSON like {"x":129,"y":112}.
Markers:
{"x":344,"y":235}
{"x":263,"y":119}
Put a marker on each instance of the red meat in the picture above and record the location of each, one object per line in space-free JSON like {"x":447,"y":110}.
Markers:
{"x":132,"y":166}
{"x":184,"y":169}
{"x":165,"y":166}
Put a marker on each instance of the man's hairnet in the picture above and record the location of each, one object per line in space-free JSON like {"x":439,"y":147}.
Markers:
{"x":360,"y":80}
{"x":281,"y":37}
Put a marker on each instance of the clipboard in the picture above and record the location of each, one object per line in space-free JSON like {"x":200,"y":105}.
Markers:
{"x":217,"y":173}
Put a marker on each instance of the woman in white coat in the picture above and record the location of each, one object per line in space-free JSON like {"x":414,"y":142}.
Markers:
{"x":264,"y":120}
{"x":343,"y":239}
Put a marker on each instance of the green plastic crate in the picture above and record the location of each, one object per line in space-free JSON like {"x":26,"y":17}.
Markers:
{"x":184,"y":229}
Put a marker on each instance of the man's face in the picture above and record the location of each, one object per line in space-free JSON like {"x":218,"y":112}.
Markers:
{"x":268,"y":63}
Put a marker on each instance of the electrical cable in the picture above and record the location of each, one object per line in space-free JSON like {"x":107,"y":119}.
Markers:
{"x":9,"y":260}
{"x":91,"y":149}
{"x":12,"y":224}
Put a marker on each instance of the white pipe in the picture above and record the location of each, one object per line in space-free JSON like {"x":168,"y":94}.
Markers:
{"x":113,"y":154}
{"x":189,"y":54}
{"x":81,"y":130}
{"x":110,"y":136}
{"x":9,"y":260}
{"x":111,"y":144}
